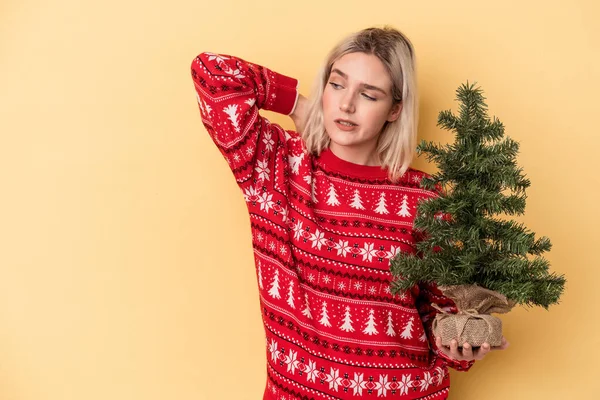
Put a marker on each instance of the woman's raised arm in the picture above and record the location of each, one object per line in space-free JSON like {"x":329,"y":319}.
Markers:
{"x":230,"y":91}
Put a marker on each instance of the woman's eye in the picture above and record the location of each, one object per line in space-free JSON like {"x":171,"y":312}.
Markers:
{"x":369,"y":97}
{"x":335,"y":85}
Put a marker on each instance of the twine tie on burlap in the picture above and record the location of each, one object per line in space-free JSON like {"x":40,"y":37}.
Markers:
{"x":462,"y":322}
{"x":473,"y":323}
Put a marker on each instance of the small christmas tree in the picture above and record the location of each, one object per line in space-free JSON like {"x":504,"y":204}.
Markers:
{"x":347,"y":325}
{"x":370,"y":328}
{"x":332,"y":199}
{"x":324,"y":315}
{"x":464,"y":243}
{"x":274,"y":291}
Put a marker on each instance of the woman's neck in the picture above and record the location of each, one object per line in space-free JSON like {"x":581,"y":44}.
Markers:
{"x":359,"y":156}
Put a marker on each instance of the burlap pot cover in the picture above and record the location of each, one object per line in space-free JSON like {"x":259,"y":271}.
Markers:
{"x":473,"y":323}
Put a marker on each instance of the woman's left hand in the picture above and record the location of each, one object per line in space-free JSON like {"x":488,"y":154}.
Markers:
{"x":467,"y":353}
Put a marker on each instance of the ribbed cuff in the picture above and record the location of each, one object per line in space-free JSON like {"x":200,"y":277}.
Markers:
{"x":456,"y":364}
{"x":286,"y":94}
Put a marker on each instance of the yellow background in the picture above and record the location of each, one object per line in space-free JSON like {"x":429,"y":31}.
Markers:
{"x":126,"y":265}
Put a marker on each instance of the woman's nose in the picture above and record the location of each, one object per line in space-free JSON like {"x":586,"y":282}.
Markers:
{"x":347,"y":104}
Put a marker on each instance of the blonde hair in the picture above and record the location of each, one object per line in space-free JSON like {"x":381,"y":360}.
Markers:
{"x":397,"y":141}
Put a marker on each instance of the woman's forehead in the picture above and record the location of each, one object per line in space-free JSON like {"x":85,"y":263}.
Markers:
{"x":362,"y":68}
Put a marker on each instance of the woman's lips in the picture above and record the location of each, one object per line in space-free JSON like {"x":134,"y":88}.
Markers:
{"x":344,"y":127}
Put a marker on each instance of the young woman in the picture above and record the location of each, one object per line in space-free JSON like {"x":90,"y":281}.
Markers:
{"x":329,"y":206}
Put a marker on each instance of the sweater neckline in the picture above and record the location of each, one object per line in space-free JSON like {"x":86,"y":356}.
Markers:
{"x":331,"y":162}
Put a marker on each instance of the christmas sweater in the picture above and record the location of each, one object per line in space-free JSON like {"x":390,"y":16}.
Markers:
{"x":323,"y":233}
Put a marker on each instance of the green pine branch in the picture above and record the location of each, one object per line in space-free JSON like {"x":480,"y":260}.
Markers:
{"x":463,"y":240}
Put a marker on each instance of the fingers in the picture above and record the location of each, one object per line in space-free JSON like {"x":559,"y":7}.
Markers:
{"x":467,"y":351}
{"x":443,"y":349}
{"x":504,"y":345}
{"x":454,"y":350}
{"x":483,"y":350}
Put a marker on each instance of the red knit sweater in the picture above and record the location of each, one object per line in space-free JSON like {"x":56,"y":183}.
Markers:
{"x":324,"y":231}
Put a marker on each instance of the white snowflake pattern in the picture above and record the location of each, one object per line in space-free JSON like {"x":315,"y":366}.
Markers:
{"x":318,"y":239}
{"x":338,"y":381}
{"x":284,"y":213}
{"x":273,"y":349}
{"x":368,"y":251}
{"x":236,"y":157}
{"x":224,"y":66}
{"x":259,"y":237}
{"x":262,"y":167}
{"x":272,"y":246}
{"x":372,"y":290}
{"x":358,"y":285}
{"x":250,"y":151}
{"x":387,"y":290}
{"x":297,"y":230}
{"x":251,"y":194}
{"x":342,"y":247}
{"x":283,"y":250}
{"x":404,"y":384}
{"x":341,"y":286}
{"x":268,"y":141}
{"x":334,"y":379}
{"x":311,"y":278}
{"x":219,"y":57}
{"x":428,"y":380}
{"x":326,"y":279}
{"x":266,"y":201}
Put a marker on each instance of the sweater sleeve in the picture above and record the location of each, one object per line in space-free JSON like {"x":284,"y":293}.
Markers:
{"x":230,"y":91}
{"x":429,"y":293}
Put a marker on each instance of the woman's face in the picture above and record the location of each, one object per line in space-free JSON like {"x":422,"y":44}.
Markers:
{"x":357,"y":101}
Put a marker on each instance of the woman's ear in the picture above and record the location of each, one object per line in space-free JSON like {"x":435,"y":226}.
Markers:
{"x":395,"y":112}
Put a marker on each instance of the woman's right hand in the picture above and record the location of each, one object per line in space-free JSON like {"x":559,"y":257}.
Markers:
{"x":299,"y":114}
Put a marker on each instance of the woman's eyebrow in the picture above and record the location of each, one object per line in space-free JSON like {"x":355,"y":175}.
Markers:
{"x":365,"y":85}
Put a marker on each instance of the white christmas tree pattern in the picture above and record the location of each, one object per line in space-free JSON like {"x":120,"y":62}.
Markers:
{"x":313,"y":190}
{"x":306,"y":312}
{"x":274,"y":291}
{"x":324,"y":316}
{"x":390,"y":326}
{"x":294,"y":162}
{"x":232,"y":112}
{"x":347,"y":325}
{"x":381,"y":206}
{"x":356,"y":201}
{"x":260,"y":284}
{"x":370,"y":328}
{"x":290,"y":299}
{"x":404,"y":212}
{"x":407,"y":332}
{"x":423,"y":337}
{"x":332,"y":199}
